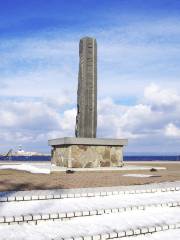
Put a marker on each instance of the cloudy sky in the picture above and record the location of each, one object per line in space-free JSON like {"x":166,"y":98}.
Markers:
{"x":138,"y":71}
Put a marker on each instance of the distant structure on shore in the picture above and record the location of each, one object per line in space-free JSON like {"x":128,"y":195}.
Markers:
{"x":21,"y":152}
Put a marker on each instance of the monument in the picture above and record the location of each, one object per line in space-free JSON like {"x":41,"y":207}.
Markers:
{"x":86,"y":120}
{"x":85,"y":150}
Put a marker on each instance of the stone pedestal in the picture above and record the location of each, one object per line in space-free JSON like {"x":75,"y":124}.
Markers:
{"x":87,"y":152}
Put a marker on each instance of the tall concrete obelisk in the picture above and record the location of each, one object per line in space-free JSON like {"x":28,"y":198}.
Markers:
{"x":86,"y":119}
{"x":85,"y":150}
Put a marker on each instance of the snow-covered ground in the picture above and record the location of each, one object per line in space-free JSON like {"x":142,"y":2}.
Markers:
{"x":166,"y":235}
{"x":88,"y":226}
{"x":97,"y":224}
{"x":28,"y":168}
{"x":138,"y":175}
{"x":86,"y":203}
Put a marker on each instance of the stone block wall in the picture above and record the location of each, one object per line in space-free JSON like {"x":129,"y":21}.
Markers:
{"x":86,"y":156}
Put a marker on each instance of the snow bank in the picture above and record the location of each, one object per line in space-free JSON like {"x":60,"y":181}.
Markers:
{"x":91,"y":225}
{"x":166,"y":235}
{"x":138,"y":175}
{"x":27,"y":168}
{"x":85,"y":203}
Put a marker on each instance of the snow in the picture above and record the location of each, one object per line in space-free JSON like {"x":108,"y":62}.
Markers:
{"x":85,"y":203}
{"x":166,"y":235}
{"x":27,"y":167}
{"x":138,"y":175}
{"x":91,"y":225}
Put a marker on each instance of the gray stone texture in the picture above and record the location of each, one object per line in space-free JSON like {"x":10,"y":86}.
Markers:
{"x":87,"y":156}
{"x":86,"y":120}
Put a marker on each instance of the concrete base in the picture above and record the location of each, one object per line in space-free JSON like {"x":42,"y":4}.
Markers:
{"x":87,"y":152}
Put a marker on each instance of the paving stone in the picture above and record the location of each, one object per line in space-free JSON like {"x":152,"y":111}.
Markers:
{"x":108,"y":211}
{"x":122,"y":234}
{"x":45,"y":216}
{"x":78,"y":214}
{"x":152,"y":229}
{"x":93,"y":212}
{"x":19,"y":198}
{"x":103,"y":193}
{"x":34,"y":197}
{"x":2,"y":219}
{"x":109,"y":193}
{"x":115,"y":210}
{"x":3,"y":199}
{"x":165,"y":227}
{"x":86,"y":213}
{"x":90,"y":194}
{"x":96,"y":237}
{"x":27,"y":198}
{"x":88,"y":238}
{"x":170,"y":204}
{"x":144,"y":230}
{"x":56,"y":196}
{"x":19,"y":219}
{"x":113,"y":235}
{"x":28,"y":218}
{"x":54,"y":215}
{"x":84,"y":194}
{"x":42,"y":197}
{"x":11,"y":198}
{"x":70,"y":214}
{"x":172,"y":226}
{"x":132,"y":191}
{"x":100,"y":211}
{"x":9,"y":219}
{"x":121,"y":209}
{"x":62,"y":215}
{"x":137,"y":231}
{"x":175,"y":204}
{"x":105,"y":236}
{"x":78,"y":238}
{"x":49,"y":197}
{"x":158,"y":228}
{"x":129,"y":232}
{"x":115,"y":192}
{"x":97,"y":194}
{"x":177,"y":225}
{"x":77,"y":195}
{"x":37,"y":217}
{"x":70,"y":195}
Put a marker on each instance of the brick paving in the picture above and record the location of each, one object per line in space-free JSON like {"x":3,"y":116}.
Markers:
{"x":20,"y":180}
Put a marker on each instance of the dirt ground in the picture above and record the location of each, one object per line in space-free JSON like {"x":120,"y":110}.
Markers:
{"x":20,"y":180}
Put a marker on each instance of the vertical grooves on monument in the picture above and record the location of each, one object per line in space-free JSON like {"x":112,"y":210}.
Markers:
{"x":86,"y":120}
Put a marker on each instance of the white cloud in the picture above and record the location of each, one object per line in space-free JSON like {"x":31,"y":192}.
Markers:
{"x":34,"y":121}
{"x":130,"y":57}
{"x":165,"y":97}
{"x":172,"y":131}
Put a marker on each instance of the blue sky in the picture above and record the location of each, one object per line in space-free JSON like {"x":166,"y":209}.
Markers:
{"x":138,"y":71}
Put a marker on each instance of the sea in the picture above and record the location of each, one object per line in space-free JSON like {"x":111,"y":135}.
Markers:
{"x":126,"y":158}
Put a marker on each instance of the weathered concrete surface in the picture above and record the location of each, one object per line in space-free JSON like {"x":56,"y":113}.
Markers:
{"x":88,"y":141}
{"x":86,"y":119}
{"x":87,"y":152}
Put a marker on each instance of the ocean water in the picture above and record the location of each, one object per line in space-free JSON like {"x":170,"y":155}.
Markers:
{"x":25,"y":158}
{"x":126,"y":158}
{"x":152,"y":158}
